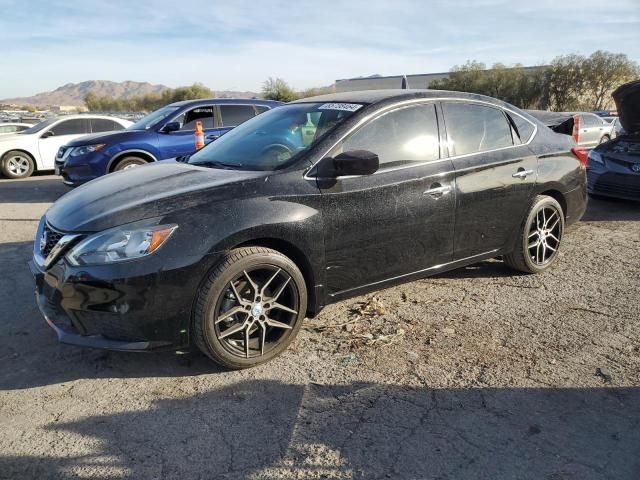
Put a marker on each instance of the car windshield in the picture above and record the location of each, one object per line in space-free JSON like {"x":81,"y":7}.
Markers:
{"x":38,"y":126}
{"x":273,"y":139}
{"x":153,"y":118}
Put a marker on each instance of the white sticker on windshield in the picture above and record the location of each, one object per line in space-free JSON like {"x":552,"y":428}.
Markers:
{"x":347,"y":107}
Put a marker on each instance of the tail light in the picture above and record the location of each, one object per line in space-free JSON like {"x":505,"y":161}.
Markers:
{"x":581,"y":154}
{"x":576,"y":128}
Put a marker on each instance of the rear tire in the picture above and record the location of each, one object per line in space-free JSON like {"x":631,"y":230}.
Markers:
{"x":250,"y":308}
{"x":539,"y":237}
{"x":127,"y":163}
{"x":17,"y":164}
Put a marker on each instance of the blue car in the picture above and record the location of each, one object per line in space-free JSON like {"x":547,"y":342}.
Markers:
{"x":163,"y":134}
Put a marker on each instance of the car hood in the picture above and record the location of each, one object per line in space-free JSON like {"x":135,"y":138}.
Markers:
{"x":627,"y":98}
{"x":107,"y":137}
{"x":144,"y":192}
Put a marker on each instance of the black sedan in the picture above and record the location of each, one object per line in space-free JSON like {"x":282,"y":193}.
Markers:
{"x":613,"y":168}
{"x":233,"y":247}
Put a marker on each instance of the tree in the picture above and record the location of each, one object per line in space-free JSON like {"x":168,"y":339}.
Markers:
{"x":147,"y":102}
{"x":278,"y":89}
{"x":564,"y":83}
{"x":603,"y":72}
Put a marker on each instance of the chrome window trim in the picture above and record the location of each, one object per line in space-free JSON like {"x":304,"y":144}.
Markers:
{"x":418,"y":101}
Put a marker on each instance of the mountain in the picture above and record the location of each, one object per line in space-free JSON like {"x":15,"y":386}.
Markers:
{"x":74,"y":93}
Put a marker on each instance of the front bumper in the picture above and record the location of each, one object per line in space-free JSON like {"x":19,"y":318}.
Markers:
{"x":613,"y":184}
{"x":87,"y":327}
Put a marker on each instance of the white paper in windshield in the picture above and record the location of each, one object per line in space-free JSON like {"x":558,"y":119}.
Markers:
{"x":347,"y":107}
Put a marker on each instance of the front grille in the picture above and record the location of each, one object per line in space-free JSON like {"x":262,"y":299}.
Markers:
{"x":109,"y":325}
{"x":51,"y":238}
{"x":60,"y":153}
{"x":618,"y":185}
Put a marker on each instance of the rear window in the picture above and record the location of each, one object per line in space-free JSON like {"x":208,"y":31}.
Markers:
{"x":476,"y":128}
{"x":234,"y":115}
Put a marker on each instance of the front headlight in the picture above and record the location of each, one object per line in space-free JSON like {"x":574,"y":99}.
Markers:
{"x":80,"y":151}
{"x":596,"y":157}
{"x":119,"y":244}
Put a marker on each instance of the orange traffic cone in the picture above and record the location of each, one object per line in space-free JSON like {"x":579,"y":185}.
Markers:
{"x":199,"y":136}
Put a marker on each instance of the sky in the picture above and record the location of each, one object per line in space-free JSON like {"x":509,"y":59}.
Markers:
{"x":237,"y":45}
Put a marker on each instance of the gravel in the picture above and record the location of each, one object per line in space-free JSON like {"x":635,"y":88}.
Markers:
{"x":480,"y":373}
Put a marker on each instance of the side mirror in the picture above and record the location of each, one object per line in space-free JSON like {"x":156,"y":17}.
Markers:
{"x":171,"y":127}
{"x":47,"y":134}
{"x":356,"y":162}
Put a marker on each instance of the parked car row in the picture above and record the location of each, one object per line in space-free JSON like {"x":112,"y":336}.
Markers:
{"x":84,"y":147}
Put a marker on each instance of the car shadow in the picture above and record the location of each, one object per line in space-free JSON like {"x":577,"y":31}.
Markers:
{"x":35,"y":189}
{"x":611,"y":209}
{"x":268,"y":429}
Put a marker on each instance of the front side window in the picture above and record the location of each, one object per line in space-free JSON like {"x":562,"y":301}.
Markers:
{"x":189,"y":118}
{"x":76,"y":126}
{"x":154,"y":118}
{"x":402,"y":136}
{"x":275,"y":138}
{"x":234,"y":115}
{"x":473,"y":128}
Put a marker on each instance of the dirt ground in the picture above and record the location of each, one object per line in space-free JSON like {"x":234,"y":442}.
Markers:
{"x":475,"y":374}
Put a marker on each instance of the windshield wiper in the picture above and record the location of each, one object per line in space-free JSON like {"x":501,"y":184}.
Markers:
{"x":214,"y":163}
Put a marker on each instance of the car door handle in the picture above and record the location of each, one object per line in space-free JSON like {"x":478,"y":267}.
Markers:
{"x":213,"y":137}
{"x":437,"y":190}
{"x":522,"y":173}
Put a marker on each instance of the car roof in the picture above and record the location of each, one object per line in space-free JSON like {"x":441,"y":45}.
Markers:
{"x":376,"y":96}
{"x":84,"y":115}
{"x":225,"y":101}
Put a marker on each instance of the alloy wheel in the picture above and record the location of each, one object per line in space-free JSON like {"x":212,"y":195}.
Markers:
{"x":545,"y":233}
{"x":256,"y":311}
{"x":18,"y":165}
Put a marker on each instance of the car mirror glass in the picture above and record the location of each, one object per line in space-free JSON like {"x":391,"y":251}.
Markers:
{"x":171,"y":127}
{"x":355,"y":162}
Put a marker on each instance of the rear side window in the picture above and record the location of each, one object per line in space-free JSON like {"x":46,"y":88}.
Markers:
{"x":476,"y":128}
{"x":8,"y":128}
{"x":524,"y":128}
{"x":201,"y":114}
{"x":261,"y":109}
{"x":104,"y":125}
{"x":76,"y":126}
{"x":234,"y":115}
{"x":590,"y":121}
{"x":399,"y":137}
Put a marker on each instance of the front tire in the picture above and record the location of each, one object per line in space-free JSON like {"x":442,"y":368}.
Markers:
{"x":605,"y":139}
{"x":128,"y":162}
{"x":17,"y":164}
{"x":539,"y":238}
{"x":250,"y":307}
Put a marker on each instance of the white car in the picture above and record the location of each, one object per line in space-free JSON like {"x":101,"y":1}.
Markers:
{"x":7,"y":128}
{"x":35,"y":149}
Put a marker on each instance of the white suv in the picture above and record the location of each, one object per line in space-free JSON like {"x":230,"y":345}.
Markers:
{"x":35,"y":148}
